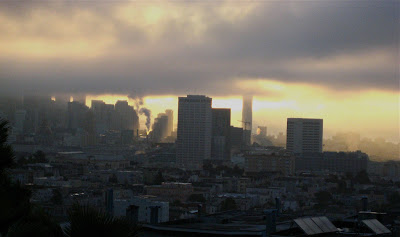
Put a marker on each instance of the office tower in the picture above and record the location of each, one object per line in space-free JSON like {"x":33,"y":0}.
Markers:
{"x":221,"y":130}
{"x":56,"y":114}
{"x":193,"y":144}
{"x":108,"y":115}
{"x":160,"y":128}
{"x":44,"y":134}
{"x":170,"y":114}
{"x":247,"y":119}
{"x":262,"y":131}
{"x":98,"y":108}
{"x":126,"y":117}
{"x":20,"y":116}
{"x":76,"y":115}
{"x":304,"y":135}
{"x":103,"y":115}
{"x":36,"y":107}
{"x":236,"y":137}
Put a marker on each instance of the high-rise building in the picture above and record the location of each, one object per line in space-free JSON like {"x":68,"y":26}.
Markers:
{"x":126,"y":117}
{"x":99,"y":115}
{"x":262,"y":131}
{"x":170,"y":114}
{"x":20,"y":116}
{"x":247,"y":118}
{"x":160,"y":128}
{"x":304,"y":135}
{"x":236,"y":137}
{"x":76,"y":115}
{"x":221,"y":130}
{"x":103,"y":115}
{"x":193,"y":143}
{"x":36,"y":107}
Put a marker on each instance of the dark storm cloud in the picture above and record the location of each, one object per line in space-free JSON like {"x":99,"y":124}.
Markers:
{"x":278,"y":40}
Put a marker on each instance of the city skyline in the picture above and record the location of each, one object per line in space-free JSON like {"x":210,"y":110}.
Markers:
{"x":199,"y":118}
{"x":333,"y":60}
{"x":273,"y":114}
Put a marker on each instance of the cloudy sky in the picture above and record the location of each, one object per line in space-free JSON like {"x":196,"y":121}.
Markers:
{"x":334,"y":59}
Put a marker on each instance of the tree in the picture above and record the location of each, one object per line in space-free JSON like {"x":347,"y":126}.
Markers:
{"x":113,"y":179}
{"x":394,"y":198}
{"x":159,"y":178}
{"x":39,"y":157}
{"x":36,"y":224}
{"x":237,"y":171}
{"x":196,"y":198}
{"x":18,"y":217}
{"x":362,"y":177}
{"x":228,"y":204}
{"x":14,"y":199}
{"x":323,"y":197}
{"x":87,"y":221}
{"x":22,"y":161}
{"x":177,"y":203}
{"x":6,"y":151}
{"x":57,"y":197}
{"x":14,"y":203}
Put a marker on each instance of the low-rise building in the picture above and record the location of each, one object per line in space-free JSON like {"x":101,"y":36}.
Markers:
{"x":340,"y":162}
{"x":264,"y":162}
{"x":142,"y":209}
{"x":171,"y":191}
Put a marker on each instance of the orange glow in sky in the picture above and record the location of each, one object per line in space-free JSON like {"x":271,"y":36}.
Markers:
{"x":370,"y":113}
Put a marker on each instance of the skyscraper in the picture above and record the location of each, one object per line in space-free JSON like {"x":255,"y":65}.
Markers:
{"x":20,"y":116}
{"x":160,"y":128}
{"x":76,"y":115}
{"x":170,"y":114}
{"x":126,"y":116}
{"x":262,"y":131}
{"x":221,"y":130}
{"x":247,"y":118}
{"x":193,"y":144}
{"x":304,"y":135}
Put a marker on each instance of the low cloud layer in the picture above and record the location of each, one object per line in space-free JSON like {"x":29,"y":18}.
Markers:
{"x":180,"y":47}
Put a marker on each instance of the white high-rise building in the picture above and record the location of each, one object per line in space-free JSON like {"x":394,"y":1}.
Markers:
{"x":193,"y":144}
{"x":304,"y":135}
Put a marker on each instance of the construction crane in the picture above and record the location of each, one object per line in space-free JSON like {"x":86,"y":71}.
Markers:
{"x":245,"y":124}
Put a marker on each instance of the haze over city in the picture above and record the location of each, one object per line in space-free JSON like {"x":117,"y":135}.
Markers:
{"x":269,"y":118}
{"x":283,"y":53}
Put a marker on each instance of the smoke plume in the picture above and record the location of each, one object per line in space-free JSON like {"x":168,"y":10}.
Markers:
{"x":147,"y":113}
{"x":138,"y":104}
{"x":138,"y":101}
